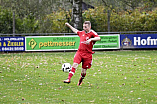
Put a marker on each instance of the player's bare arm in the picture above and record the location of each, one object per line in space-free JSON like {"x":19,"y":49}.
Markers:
{"x":72,"y":28}
{"x":93,"y":39}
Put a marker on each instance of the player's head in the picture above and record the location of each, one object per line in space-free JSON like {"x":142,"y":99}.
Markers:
{"x":87,"y":26}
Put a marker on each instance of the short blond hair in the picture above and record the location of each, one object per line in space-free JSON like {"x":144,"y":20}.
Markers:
{"x":87,"y":22}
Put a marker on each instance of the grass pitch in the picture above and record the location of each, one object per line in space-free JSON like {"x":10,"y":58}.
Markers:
{"x":121,"y":77}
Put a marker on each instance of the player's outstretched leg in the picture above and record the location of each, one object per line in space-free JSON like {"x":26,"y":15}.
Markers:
{"x":80,"y":81}
{"x":81,"y":78}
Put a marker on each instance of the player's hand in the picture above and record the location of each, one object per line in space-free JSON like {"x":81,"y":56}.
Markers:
{"x":88,"y":41}
{"x":67,"y":24}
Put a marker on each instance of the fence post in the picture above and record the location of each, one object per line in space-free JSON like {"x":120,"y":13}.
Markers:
{"x":13,"y":23}
{"x":108,"y":22}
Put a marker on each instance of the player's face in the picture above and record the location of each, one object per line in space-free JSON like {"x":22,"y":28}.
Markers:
{"x":86,"y":27}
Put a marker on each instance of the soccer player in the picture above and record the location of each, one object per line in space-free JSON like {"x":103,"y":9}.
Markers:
{"x":88,"y":37}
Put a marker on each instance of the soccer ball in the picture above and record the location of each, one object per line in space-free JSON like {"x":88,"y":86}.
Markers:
{"x":66,"y":67}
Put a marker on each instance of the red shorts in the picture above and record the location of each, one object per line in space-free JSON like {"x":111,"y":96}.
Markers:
{"x":85,"y":58}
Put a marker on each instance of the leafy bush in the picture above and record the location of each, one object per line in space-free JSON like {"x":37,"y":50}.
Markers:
{"x":97,"y":17}
{"x":25,"y":25}
{"x":135,"y":20}
{"x":55,"y":22}
{"x":5,"y":21}
{"x":131,"y":20}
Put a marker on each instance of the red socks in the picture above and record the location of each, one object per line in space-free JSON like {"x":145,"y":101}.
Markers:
{"x":71,"y":73}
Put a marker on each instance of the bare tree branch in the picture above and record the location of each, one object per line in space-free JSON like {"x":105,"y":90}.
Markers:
{"x":105,"y":3}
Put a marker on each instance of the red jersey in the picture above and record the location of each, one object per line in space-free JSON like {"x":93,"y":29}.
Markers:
{"x":83,"y":47}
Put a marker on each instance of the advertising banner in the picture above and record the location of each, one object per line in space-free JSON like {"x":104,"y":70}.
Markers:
{"x":12,"y":43}
{"x":50,"y":43}
{"x":56,"y":43}
{"x":138,"y":41}
{"x":108,"y":42}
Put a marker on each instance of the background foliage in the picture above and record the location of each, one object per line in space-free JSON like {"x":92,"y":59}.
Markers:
{"x":49,"y":16}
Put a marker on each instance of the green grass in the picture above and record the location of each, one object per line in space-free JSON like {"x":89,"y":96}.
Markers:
{"x":116,"y":77}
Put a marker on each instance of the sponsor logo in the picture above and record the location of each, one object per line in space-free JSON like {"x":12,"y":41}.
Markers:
{"x":32,"y":43}
{"x":126,"y":42}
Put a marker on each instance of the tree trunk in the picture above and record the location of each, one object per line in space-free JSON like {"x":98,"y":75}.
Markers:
{"x":77,"y":14}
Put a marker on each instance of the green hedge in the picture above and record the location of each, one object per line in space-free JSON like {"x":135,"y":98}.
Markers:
{"x":135,"y":20}
{"x":27,"y":24}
